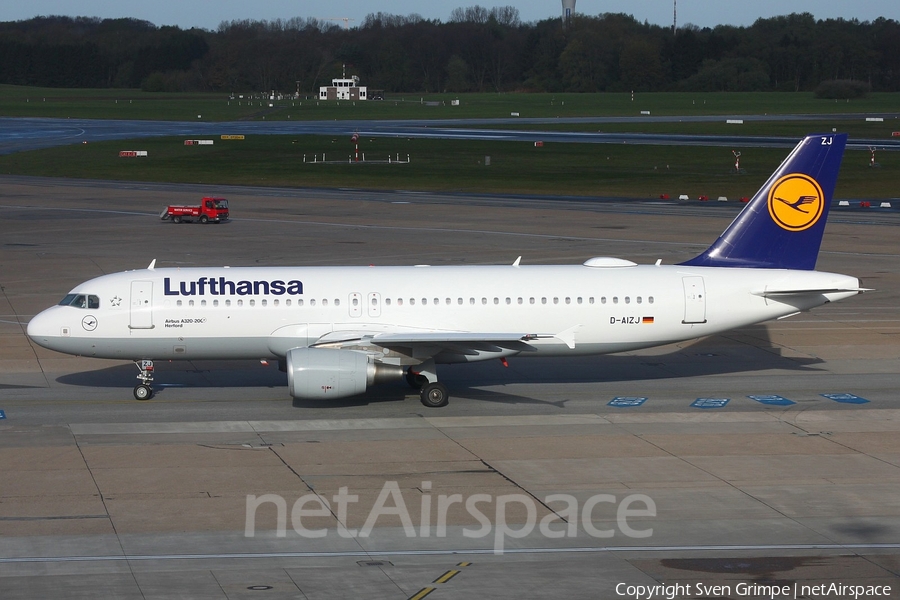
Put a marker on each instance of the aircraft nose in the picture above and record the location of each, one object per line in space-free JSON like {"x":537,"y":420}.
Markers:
{"x":44,"y":327}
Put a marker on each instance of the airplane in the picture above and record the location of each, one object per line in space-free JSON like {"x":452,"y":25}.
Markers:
{"x":338,"y":330}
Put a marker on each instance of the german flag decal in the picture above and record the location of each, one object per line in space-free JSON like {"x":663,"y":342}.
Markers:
{"x":647,"y":320}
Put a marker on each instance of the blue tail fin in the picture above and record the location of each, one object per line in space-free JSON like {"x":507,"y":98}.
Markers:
{"x":782,"y":226}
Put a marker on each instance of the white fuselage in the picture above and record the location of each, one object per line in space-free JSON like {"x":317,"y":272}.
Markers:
{"x":263,"y":312}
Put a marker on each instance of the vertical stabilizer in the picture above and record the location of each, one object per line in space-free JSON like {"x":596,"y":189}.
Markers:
{"x":782,"y":226}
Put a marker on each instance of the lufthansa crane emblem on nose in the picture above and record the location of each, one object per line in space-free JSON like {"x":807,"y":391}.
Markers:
{"x":89,"y":323}
{"x":796,"y":202}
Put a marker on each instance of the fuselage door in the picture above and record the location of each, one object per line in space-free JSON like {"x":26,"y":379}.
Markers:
{"x":355,"y":304}
{"x":373,"y":301}
{"x":694,"y":300}
{"x":141,"y":305}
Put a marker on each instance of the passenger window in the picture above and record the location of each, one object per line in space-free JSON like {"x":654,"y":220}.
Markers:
{"x":650,"y":299}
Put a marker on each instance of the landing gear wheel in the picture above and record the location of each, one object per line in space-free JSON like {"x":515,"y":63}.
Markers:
{"x":143,"y":392}
{"x":204,"y":219}
{"x":435,"y":395}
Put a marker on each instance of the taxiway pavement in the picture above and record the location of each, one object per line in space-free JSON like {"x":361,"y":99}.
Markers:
{"x":103,"y":496}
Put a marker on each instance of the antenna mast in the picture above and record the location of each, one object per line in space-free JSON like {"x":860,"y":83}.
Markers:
{"x":674,"y":16}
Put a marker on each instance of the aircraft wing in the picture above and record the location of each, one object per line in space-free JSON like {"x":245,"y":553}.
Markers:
{"x":424,"y":344}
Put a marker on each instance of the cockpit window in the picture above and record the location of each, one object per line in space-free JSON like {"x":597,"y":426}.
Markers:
{"x":81,"y":301}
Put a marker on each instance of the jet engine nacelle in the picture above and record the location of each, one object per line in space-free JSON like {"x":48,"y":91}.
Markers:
{"x":315,"y":373}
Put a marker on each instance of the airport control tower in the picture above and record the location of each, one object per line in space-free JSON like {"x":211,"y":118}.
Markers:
{"x":568,"y":7}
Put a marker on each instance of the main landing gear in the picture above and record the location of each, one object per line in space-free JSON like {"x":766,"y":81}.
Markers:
{"x":143,"y":390}
{"x":432,"y":393}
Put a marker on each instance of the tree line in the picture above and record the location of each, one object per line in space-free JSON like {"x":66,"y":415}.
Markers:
{"x":476,"y":50}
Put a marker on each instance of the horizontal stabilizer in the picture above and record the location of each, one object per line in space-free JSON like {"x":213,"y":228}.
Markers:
{"x":801,"y":292}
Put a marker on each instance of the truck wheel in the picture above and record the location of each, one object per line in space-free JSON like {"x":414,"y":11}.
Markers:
{"x":204,"y":219}
{"x":176,"y":219}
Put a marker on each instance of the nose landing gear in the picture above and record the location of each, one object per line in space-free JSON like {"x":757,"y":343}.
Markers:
{"x":143,"y":390}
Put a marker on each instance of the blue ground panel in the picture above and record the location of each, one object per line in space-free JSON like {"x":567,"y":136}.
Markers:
{"x":626,"y":401}
{"x":2,"y":415}
{"x":846,"y":398}
{"x":709,"y":402}
{"x":772,"y":399}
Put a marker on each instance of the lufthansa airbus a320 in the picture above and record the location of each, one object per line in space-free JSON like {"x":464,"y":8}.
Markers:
{"x":338,"y":330}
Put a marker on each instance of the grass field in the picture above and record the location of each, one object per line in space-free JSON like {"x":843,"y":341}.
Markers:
{"x":134,"y":104}
{"x":447,"y":165}
{"x":576,"y":169}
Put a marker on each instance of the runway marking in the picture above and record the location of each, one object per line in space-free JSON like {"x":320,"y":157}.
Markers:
{"x":709,"y":402}
{"x":627,"y":401}
{"x":772,"y":399}
{"x":449,"y":552}
{"x":447,"y":576}
{"x":422,"y":593}
{"x":846,"y":398}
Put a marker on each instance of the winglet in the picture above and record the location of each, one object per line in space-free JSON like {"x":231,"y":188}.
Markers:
{"x":782,"y":226}
{"x":152,"y":265}
{"x":518,"y":260}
